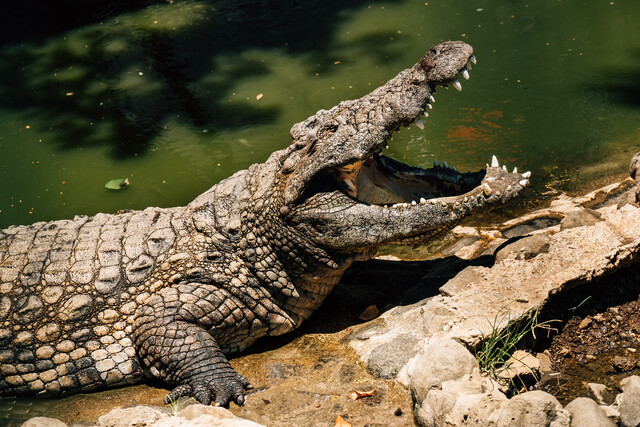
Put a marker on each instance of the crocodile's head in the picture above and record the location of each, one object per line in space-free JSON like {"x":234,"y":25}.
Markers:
{"x":343,"y":195}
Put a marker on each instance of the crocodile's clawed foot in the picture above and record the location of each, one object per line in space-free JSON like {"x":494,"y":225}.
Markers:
{"x":207,"y":388}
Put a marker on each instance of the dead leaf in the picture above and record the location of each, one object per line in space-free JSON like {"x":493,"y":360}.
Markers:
{"x":340,"y":422}
{"x":360,"y":394}
{"x":369,"y":313}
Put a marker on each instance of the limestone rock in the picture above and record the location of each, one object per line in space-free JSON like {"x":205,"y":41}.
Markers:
{"x":451,"y":403}
{"x":600,"y":393}
{"x":525,"y":248}
{"x":580,"y":218}
{"x":523,"y":366}
{"x":533,"y":409}
{"x":440,"y":360}
{"x":137,"y":416}
{"x":486,"y":411}
{"x":612,"y":413}
{"x":586,"y":413}
{"x":545,"y":362}
{"x":43,"y":422}
{"x":194,"y":411}
{"x":387,"y":359}
{"x":629,"y":406}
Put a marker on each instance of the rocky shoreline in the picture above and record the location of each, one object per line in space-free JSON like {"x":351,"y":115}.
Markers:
{"x":428,"y":345}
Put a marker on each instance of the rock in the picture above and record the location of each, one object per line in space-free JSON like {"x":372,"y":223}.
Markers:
{"x":486,"y":411}
{"x":624,"y":363}
{"x":585,"y":322}
{"x":521,"y":365}
{"x":387,"y":359}
{"x":440,"y":360}
{"x":526,"y":248}
{"x":463,"y":281}
{"x":630,"y":383}
{"x":545,"y":363}
{"x":43,"y":422}
{"x":194,"y":411}
{"x":586,"y":413}
{"x":629,"y":401}
{"x":192,"y":416}
{"x":205,"y":420}
{"x":601,"y":394}
{"x":612,"y":413}
{"x":580,"y":218}
{"x":137,"y":416}
{"x":450,"y":404}
{"x":533,"y":409}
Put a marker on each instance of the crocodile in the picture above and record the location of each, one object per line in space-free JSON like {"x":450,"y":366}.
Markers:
{"x":109,"y":300}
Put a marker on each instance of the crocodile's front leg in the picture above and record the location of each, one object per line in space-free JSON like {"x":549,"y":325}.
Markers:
{"x":173,"y":336}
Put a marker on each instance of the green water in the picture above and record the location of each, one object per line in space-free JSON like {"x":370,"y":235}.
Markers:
{"x":178,"y":95}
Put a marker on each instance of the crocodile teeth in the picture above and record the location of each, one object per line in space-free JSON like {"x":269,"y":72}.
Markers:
{"x":419,"y":123}
{"x":386,"y":146}
{"x":494,"y":162}
{"x":473,"y":59}
{"x":435,"y":164}
{"x":413,"y":202}
{"x":465,"y":74}
{"x":457,"y":84}
{"x":422,"y":201}
{"x":431,"y":98}
{"x":446,"y":165}
{"x":430,"y":107}
{"x":515,"y":170}
{"x":504,"y":168}
{"x":509,"y":187}
{"x":426,"y":114}
{"x":486,"y":189}
{"x":524,"y":182}
{"x":527,"y":174}
{"x":454,"y":168}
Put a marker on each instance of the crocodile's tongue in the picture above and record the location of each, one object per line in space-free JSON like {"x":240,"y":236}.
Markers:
{"x":381,"y":180}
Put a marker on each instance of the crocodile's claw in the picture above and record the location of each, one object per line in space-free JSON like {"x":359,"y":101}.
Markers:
{"x":207,"y":388}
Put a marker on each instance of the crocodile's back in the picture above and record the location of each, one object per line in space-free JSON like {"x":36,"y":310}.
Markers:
{"x":68,"y":292}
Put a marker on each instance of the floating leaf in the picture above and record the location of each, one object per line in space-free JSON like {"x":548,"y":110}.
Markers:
{"x":117,"y":184}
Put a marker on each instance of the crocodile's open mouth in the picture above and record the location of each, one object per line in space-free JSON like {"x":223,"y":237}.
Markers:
{"x":383,"y":181}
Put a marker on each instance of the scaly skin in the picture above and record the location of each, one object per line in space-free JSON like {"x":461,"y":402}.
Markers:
{"x":97,"y":302}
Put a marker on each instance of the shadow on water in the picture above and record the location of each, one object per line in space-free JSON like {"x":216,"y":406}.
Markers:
{"x":621,"y":86}
{"x":111,"y":76}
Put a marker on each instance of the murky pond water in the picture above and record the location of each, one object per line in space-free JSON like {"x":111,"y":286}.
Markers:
{"x":177,"y":95}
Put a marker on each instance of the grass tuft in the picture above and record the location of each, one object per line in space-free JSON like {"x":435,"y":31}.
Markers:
{"x":501,"y":342}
